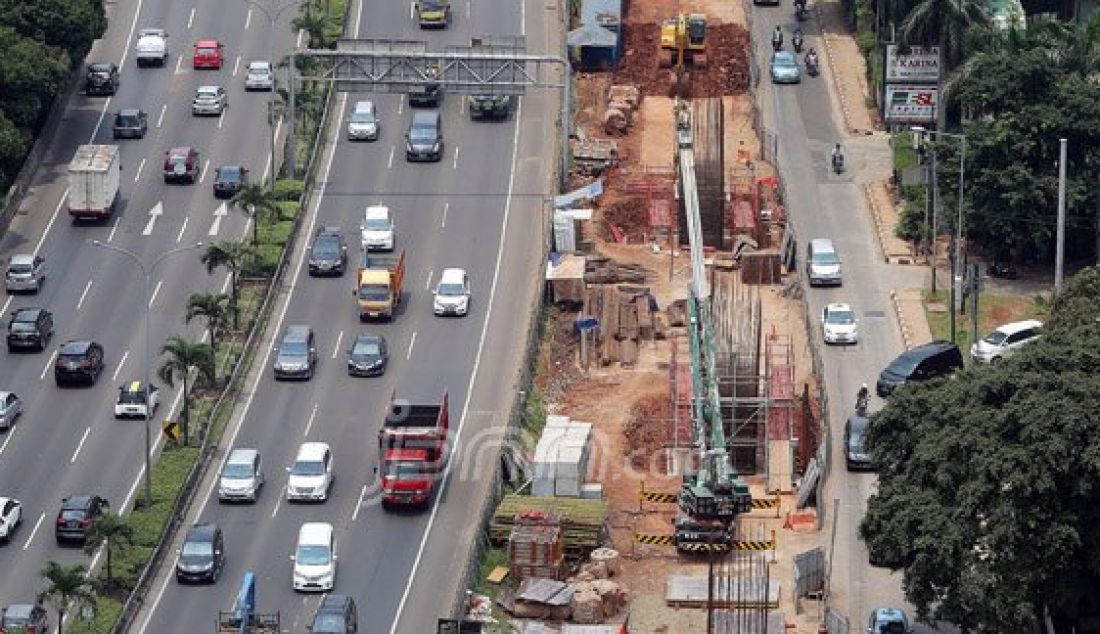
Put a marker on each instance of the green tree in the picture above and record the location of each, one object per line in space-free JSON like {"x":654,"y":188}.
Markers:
{"x":110,"y":529}
{"x":183,"y":358}
{"x":944,"y":23}
{"x":211,"y":308}
{"x":232,"y":256}
{"x":14,"y":145}
{"x":70,"y":25}
{"x":30,"y":77}
{"x":258,"y":203}
{"x":316,"y":26}
{"x":987,"y":497}
{"x":66,"y":586}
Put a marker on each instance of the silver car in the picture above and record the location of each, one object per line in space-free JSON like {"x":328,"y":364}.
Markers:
{"x":363,"y":123}
{"x":260,"y":76}
{"x":209,"y":100}
{"x":26,"y":272}
{"x":11,"y":406}
{"x":242,"y":476}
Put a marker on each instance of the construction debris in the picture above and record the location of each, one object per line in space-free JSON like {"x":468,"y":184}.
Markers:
{"x":592,"y":157}
{"x":622,"y":101}
{"x":583,"y":522}
{"x":538,"y":598}
{"x":603,"y":270}
{"x":535,"y":545}
{"x":596,"y":601}
{"x":609,"y":557}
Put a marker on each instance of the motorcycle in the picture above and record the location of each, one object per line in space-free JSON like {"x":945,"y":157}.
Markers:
{"x":1002,"y":270}
{"x":777,"y":42}
{"x":796,"y":41}
{"x":862,"y":400}
{"x":838,"y":162}
{"x":800,"y":11}
{"x":811,"y":65}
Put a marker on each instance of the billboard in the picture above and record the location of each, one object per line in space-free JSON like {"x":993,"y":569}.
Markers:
{"x":911,"y":103}
{"x":921,"y":64}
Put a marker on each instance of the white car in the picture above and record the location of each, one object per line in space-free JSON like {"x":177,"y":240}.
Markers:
{"x":311,"y":474}
{"x":132,"y":401}
{"x":1005,"y":340}
{"x":26,"y":272}
{"x":839,"y":324}
{"x":209,"y":100}
{"x":11,"y":515}
{"x":11,"y":406}
{"x":452,"y":294}
{"x":378,"y":231}
{"x":260,"y":76}
{"x":315,"y":557}
{"x":151,"y":48}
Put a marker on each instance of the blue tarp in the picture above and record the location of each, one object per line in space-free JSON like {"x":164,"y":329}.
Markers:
{"x":588,"y":192}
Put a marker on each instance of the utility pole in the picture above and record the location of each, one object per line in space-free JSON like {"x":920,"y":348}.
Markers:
{"x":933,"y":199}
{"x":975,"y":290}
{"x":291,"y":144}
{"x":1060,"y":248}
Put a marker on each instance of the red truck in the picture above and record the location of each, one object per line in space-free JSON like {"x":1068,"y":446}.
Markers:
{"x":413,"y":444}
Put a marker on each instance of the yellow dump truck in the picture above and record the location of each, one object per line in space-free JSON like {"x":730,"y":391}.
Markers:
{"x":378,"y":285}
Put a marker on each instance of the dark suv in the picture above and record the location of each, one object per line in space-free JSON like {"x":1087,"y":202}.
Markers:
{"x":337,"y":614}
{"x":130,"y":123}
{"x":928,"y":361}
{"x":76,"y":516}
{"x":202,"y":555}
{"x":29,"y":328}
{"x":78,"y":362}
{"x":101,"y":78}
{"x":296,"y":356}
{"x":228,"y":180}
{"x":328,"y":255}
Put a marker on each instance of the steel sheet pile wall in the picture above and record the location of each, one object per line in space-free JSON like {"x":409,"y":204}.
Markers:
{"x":706,"y":122}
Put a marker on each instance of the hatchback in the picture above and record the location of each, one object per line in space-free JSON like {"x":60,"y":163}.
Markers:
{"x":29,"y":328}
{"x":209,"y":100}
{"x":26,"y":272}
{"x":260,"y":76}
{"x":228,"y":180}
{"x":130,"y":123}
{"x":11,"y":406}
{"x":855,"y":444}
{"x":202,"y":555}
{"x":207,"y":54}
{"x":78,"y":362}
{"x":888,"y":621}
{"x":839,"y":324}
{"x":784,"y":68}
{"x":76,"y":516}
{"x":135,"y":399}
{"x":11,"y":516}
{"x":1006,"y":340}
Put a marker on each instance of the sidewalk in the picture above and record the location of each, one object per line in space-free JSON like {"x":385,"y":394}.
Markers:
{"x":847,"y":68}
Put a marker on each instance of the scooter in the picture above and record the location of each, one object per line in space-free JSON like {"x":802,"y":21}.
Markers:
{"x":811,"y":65}
{"x":777,"y":43}
{"x":796,"y":41}
{"x":800,"y":11}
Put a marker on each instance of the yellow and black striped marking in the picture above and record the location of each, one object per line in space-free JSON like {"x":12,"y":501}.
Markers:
{"x":703,"y":547}
{"x":764,"y":504}
{"x":653,"y":496}
{"x":653,"y":540}
{"x":754,"y":545}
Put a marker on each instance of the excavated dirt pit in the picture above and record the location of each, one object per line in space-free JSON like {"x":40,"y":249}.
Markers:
{"x":726,"y":72}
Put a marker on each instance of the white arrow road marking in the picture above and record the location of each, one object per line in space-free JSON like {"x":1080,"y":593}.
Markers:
{"x":221,"y":212}
{"x":154,"y":213}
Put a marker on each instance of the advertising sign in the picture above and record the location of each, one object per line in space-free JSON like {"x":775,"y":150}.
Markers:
{"x":908,"y":103}
{"x":921,"y":64}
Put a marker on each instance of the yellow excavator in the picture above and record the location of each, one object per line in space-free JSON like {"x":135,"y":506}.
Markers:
{"x":684,"y":41}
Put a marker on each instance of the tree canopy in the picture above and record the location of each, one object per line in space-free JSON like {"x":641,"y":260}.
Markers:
{"x":989,"y":489}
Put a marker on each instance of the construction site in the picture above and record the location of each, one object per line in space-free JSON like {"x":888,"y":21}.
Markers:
{"x":683,"y":411}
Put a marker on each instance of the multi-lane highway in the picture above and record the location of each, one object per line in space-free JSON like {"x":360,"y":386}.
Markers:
{"x":68,"y":442}
{"x":479,"y":208}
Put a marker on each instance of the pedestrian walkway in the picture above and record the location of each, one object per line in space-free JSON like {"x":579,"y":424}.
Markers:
{"x":885,"y":213}
{"x":847,"y":68}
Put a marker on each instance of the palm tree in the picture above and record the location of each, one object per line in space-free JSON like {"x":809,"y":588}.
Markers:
{"x":231,"y":256}
{"x":258,"y":203}
{"x":184,"y":357}
{"x":67,"y":586}
{"x":314,"y":24}
{"x":945,"y":23}
{"x":112,"y":530}
{"x":209,"y":307}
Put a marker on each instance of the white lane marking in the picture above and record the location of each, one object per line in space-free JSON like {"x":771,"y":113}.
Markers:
{"x":473,"y":375}
{"x":309,"y":423}
{"x":121,"y":362}
{"x":443,"y":223}
{"x":182,"y":229}
{"x":267,"y":355}
{"x":49,"y":364}
{"x":428,"y":282}
{"x":467,"y":11}
{"x":454,"y":164}
{"x":267,"y":165}
{"x":87,"y":430}
{"x":191,"y":18}
{"x":56,"y":211}
{"x":114,"y":228}
{"x":248,"y":20}
{"x":298,"y":42}
{"x":462,"y":106}
{"x":221,"y":120}
{"x":156,"y":291}
{"x":359,"y":503}
{"x":137,"y":174}
{"x":275,"y":510}
{"x":336,"y":349}
{"x":412,"y":342}
{"x":389,"y":163}
{"x":358,"y":20}
{"x":27,"y":544}
{"x":236,"y":65}
{"x":412,"y":10}
{"x":179,"y":64}
{"x":400,"y":104}
{"x":7,"y":302}
{"x":205,"y":166}
{"x":522,"y":21}
{"x":80,"y":302}
{"x":160,"y":119}
{"x":7,"y":439}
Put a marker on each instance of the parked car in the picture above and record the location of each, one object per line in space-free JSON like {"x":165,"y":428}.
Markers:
{"x":260,"y":76}
{"x":26,"y":272}
{"x":228,"y":180}
{"x":296,"y":356}
{"x":209,"y":100}
{"x":336,"y":614}
{"x":11,"y":516}
{"x":136,"y":399}
{"x":241,"y":477}
{"x":839,"y":324}
{"x":101,"y":78}
{"x":11,"y":407}
{"x":202,"y":555}
{"x":78,"y":362}
{"x":76,"y":516}
{"x":888,"y":621}
{"x":25,"y":618}
{"x":130,"y":123}
{"x":785,"y":69}
{"x":311,"y":475}
{"x":855,"y":448}
{"x":181,"y":165}
{"x":328,"y":254}
{"x":368,"y":355}
{"x":928,"y":361}
{"x":29,"y":328}
{"x":1006,"y":340}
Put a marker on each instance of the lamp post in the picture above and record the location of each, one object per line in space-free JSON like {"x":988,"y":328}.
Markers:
{"x":147,"y":273}
{"x":272,"y":14}
{"x":956,"y":238}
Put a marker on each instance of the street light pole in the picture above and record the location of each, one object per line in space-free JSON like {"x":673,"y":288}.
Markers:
{"x":272,"y":16}
{"x":147,"y":275}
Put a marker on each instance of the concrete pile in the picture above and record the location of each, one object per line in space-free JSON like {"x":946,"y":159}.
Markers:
{"x":596,"y":601}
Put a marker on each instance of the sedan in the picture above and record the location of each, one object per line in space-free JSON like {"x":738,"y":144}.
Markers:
{"x":130,"y":123}
{"x":839,"y":324}
{"x":784,"y":68}
{"x":367,"y":356}
{"x":11,"y":515}
{"x":209,"y":100}
{"x":11,"y":406}
{"x":228,"y":180}
{"x":260,"y":76}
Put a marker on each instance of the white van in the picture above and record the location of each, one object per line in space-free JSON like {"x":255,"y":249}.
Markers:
{"x":822,"y":263}
{"x":377,"y":231}
{"x":315,"y":557}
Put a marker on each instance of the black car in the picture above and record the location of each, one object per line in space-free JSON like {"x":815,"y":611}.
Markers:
{"x":228,"y":180}
{"x":130,"y":123}
{"x":337,"y":614}
{"x":76,"y":516}
{"x":29,"y":328}
{"x":427,"y":95}
{"x":78,"y":362}
{"x":202,"y":555}
{"x":928,"y":361}
{"x":367,"y":356}
{"x":101,"y":78}
{"x":25,"y":617}
{"x":855,"y":445}
{"x":490,"y":106}
{"x":328,"y":255}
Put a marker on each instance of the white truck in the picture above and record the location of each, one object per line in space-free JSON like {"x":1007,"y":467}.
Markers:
{"x":151,"y":48}
{"x":94,"y":175}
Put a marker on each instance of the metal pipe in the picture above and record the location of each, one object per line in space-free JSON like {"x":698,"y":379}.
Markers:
{"x":1060,"y":246}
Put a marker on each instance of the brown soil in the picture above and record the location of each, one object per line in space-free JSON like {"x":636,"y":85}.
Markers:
{"x":726,"y":72}
{"x":628,"y":214}
{"x":646,"y":428}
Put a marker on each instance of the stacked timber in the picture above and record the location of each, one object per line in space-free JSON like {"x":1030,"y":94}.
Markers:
{"x":626,"y":316}
{"x":535,"y":545}
{"x":600,"y":269}
{"x":583,"y":522}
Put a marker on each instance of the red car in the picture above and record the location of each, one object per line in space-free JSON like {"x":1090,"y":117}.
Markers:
{"x":181,"y":165}
{"x":208,"y":54}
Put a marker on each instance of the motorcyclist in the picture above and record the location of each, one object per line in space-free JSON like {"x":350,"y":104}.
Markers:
{"x":838,"y":158}
{"x":796,"y":39}
{"x":811,"y":60}
{"x":862,"y":398}
{"x":799,"y":8}
{"x":777,"y":37}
